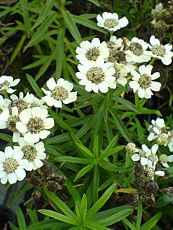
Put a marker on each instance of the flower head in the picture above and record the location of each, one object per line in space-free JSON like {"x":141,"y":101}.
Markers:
{"x":4,"y":112}
{"x":137,"y":51}
{"x":111,"y":22}
{"x":92,"y":51}
{"x":6,"y":82}
{"x":34,"y":123}
{"x":97,"y":76}
{"x":32,"y":153}
{"x":164,"y":159}
{"x":162,"y":52}
{"x":11,"y":166}
{"x":143,"y":81}
{"x":59,"y":93}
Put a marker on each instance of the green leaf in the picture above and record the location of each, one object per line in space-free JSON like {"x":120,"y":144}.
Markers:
{"x":163,"y":201}
{"x":83,"y":207}
{"x":95,"y":226}
{"x":41,"y":31}
{"x":74,"y":193}
{"x":26,"y":18}
{"x":60,"y":204}
{"x":45,"y":225}
{"x":95,"y":2}
{"x":58,"y":216}
{"x":68,"y":19}
{"x":130,"y":225}
{"x":44,"y":13}
{"x":76,"y":160}
{"x":18,"y":48}
{"x":32,"y":215}
{"x":151,"y":222}
{"x":139,"y":215}
{"x":34,"y":86}
{"x":120,"y":126}
{"x":83,"y":171}
{"x":101,"y":201}
{"x":115,"y":217}
{"x":59,"y":52}
{"x":84,"y":150}
{"x":20,"y":219}
{"x":5,"y":137}
{"x":111,"y":152}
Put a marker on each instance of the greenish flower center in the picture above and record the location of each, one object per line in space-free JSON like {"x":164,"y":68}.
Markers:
{"x":110,"y":23}
{"x":158,"y":50}
{"x":163,"y":158}
{"x":10,"y":165}
{"x":20,"y":104}
{"x":92,"y":54}
{"x":30,"y":152}
{"x":117,"y":56}
{"x":136,"y":48}
{"x":11,"y":123}
{"x":95,"y":75}
{"x":59,"y":93}
{"x":162,"y":139}
{"x":35,"y":125}
{"x":4,"y":86}
{"x":145,"y":81}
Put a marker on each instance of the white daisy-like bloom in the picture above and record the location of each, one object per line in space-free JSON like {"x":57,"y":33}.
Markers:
{"x":111,"y":21}
{"x":115,"y":43}
{"x":143,"y":81}
{"x":34,"y":123}
{"x":59,"y":93}
{"x":159,"y":132}
{"x":32,"y":153}
{"x":162,"y":52}
{"x":11,"y":123}
{"x":11,"y":166}
{"x":137,"y":51}
{"x":131,"y":148}
{"x":146,"y":156}
{"x":6,"y":82}
{"x":165,"y":159}
{"x":28,"y":101}
{"x":92,"y":51}
{"x":4,"y":112}
{"x":97,"y":76}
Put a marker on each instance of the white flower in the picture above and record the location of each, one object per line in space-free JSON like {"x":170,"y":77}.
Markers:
{"x":120,"y":74}
{"x":34,"y":101}
{"x":131,"y":148}
{"x":115,"y":43}
{"x":59,"y":93}
{"x":158,"y":10}
{"x":164,"y":159}
{"x":11,"y":123}
{"x":32,"y":153}
{"x":111,"y":22}
{"x":97,"y":76}
{"x":137,"y":51}
{"x":92,"y":51}
{"x":159,"y":132}
{"x":162,"y":52}
{"x":11,"y":166}
{"x":6,"y":82}
{"x":151,"y":172}
{"x":142,"y":81}
{"x":34,"y":124}
{"x":146,"y":156}
{"x":4,"y":112}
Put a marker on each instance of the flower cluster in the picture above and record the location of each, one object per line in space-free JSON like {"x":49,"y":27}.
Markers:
{"x":27,"y":118}
{"x":148,"y":160}
{"x":120,"y":61}
{"x":162,"y":135}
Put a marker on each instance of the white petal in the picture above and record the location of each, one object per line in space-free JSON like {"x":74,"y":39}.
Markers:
{"x":21,"y":127}
{"x":154,"y":148}
{"x":170,"y":158}
{"x":144,"y":161}
{"x":51,"y":84}
{"x":44,"y":134}
{"x":159,"y":173}
{"x":135,"y":157}
{"x":12,"y":178}
{"x":48,"y":123}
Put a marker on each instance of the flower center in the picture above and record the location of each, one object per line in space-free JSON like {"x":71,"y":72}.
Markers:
{"x":30,"y":152}
{"x":163,"y":158}
{"x":136,"y":48}
{"x":20,"y":104}
{"x":162,"y":139}
{"x":144,"y":81}
{"x":110,"y":23}
{"x":59,"y":93}
{"x":117,"y":56}
{"x":142,"y":153}
{"x":92,"y":54}
{"x":35,"y":125}
{"x":4,"y":86}
{"x":10,"y":165}
{"x":95,"y":75}
{"x":153,"y":157}
{"x":158,"y":50}
{"x":149,"y":172}
{"x":11,"y":123}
